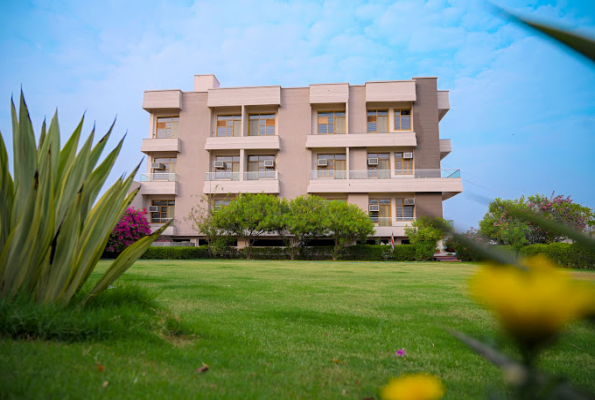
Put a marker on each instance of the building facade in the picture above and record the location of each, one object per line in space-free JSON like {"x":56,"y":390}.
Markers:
{"x":375,"y":145}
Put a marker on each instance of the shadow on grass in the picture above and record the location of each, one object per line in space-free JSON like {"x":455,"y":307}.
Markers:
{"x":124,"y":311}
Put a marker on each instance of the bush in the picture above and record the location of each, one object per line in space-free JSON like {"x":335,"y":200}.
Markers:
{"x":362,"y":252}
{"x":564,"y":254}
{"x":132,"y":227}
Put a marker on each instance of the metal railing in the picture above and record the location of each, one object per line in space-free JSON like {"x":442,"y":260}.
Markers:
{"x":328,"y":174}
{"x":159,"y":177}
{"x":403,"y":173}
{"x":222,"y":176}
{"x":361,"y":133}
{"x":257,"y":175}
{"x":390,"y":221}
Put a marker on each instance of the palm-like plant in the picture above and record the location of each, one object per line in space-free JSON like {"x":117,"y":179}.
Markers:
{"x":53,"y":229}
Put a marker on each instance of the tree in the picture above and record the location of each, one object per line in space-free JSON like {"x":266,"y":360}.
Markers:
{"x":345,"y":223}
{"x":248,"y":217}
{"x":498,"y":225}
{"x":200,"y":218}
{"x":303,"y":221}
{"x":132,"y":227}
{"x":424,"y":233}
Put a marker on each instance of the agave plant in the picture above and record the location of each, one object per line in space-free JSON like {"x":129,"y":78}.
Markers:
{"x":53,"y":229}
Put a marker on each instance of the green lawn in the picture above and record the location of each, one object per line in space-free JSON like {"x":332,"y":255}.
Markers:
{"x":276,"y":330}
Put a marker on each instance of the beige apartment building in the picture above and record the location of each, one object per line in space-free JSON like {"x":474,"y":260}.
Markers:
{"x":376,"y":145}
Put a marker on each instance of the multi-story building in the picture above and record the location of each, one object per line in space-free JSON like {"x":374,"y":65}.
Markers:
{"x":376,"y":145}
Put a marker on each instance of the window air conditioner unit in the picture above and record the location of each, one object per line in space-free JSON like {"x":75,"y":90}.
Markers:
{"x":374,"y":208}
{"x":157,"y":165}
{"x":407,"y":155}
{"x":323,"y":162}
{"x":219,"y":164}
{"x":153,"y":209}
{"x":409,"y":202}
{"x":269,"y":163}
{"x":372,"y":161}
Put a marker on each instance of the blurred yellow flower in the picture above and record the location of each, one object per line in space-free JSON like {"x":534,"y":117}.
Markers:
{"x":534,"y":305}
{"x":413,"y":387}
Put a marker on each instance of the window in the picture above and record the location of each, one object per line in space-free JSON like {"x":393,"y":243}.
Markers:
{"x":334,"y":168}
{"x":403,"y":166}
{"x":256,"y":168}
{"x":230,"y":170}
{"x":404,"y":213}
{"x":167,"y":127}
{"x":382,"y":168}
{"x":165,"y":211}
{"x":168,"y":166}
{"x":402,"y":119}
{"x":378,"y":121}
{"x":331,"y":122}
{"x":262,"y":125}
{"x":382,"y":217}
{"x":229,"y":125}
{"x":219,"y":204}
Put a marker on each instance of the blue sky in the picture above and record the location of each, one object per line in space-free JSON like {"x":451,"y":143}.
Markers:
{"x":522,"y":118}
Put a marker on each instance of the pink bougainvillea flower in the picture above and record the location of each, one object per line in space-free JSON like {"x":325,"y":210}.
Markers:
{"x":400,"y":353}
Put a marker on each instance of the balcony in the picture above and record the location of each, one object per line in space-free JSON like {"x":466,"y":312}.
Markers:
{"x":159,"y":183}
{"x":445,"y":148}
{"x":390,"y":139}
{"x":243,"y":142}
{"x":157,"y":223}
{"x":154,"y":145}
{"x":446,"y":181}
{"x":391,"y":225}
{"x":251,"y":182}
{"x":162,"y":100}
{"x":390,"y":91}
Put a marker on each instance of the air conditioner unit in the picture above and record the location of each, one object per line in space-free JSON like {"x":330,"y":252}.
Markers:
{"x":323,"y":162}
{"x":372,"y":161}
{"x":407,"y":155}
{"x":219,"y":164}
{"x":269,"y":163}
{"x":157,"y":165}
{"x":374,"y":208}
{"x":154,"y":209}
{"x":409,"y":202}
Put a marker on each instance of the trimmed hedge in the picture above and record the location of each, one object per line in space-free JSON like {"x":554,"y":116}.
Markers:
{"x":564,"y":254}
{"x":320,"y":253}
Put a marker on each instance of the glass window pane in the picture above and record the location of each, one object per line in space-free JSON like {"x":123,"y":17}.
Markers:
{"x":397,"y":123}
{"x":405,"y":123}
{"x":371,"y":126}
{"x":322,"y":128}
{"x":383,"y":112}
{"x":270,"y":130}
{"x":331,"y":128}
{"x":406,"y":112}
{"x":340,"y":114}
{"x":372,"y":113}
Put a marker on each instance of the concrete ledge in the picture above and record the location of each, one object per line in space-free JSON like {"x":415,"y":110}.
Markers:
{"x":398,"y":185}
{"x":162,"y":100}
{"x":245,"y":96}
{"x":269,"y":186}
{"x":155,"y":145}
{"x":393,"y":139}
{"x":159,"y":187}
{"x":390,"y":91}
{"x":243,"y":142}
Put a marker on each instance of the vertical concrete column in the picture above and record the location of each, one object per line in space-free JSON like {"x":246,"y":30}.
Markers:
{"x":242,"y":163}
{"x":347,"y":117}
{"x":347,"y":162}
{"x":244,"y":121}
{"x":151,"y":125}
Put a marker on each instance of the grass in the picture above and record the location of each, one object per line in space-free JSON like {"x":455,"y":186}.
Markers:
{"x":274,"y":330}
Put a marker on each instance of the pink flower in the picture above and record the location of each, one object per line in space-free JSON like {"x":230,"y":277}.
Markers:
{"x":400,"y":353}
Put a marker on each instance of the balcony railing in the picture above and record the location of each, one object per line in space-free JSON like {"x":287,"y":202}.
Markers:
{"x":328,"y":174}
{"x":222,"y":176}
{"x":385,"y":174}
{"x":390,"y":221}
{"x":257,"y":175}
{"x":396,"y":174}
{"x":158,"y":177}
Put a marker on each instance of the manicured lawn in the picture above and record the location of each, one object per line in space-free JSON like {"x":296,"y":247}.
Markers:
{"x":276,"y":330}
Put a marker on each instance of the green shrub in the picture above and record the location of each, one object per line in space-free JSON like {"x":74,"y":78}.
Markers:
{"x":362,"y":252}
{"x":564,"y":254}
